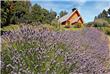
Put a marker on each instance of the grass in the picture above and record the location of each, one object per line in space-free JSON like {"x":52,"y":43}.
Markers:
{"x":73,"y":29}
{"x":11,"y":27}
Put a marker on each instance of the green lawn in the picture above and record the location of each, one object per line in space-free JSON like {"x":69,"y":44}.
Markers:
{"x":73,"y":29}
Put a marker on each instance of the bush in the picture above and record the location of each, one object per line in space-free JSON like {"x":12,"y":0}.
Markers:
{"x":55,"y":24}
{"x":41,"y":51}
{"x":106,"y":30}
{"x":10,"y":28}
{"x":101,"y":23}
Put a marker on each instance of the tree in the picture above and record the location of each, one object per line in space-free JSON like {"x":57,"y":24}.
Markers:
{"x":45,"y":16}
{"x":104,"y":13}
{"x":42,"y":15}
{"x":21,"y":11}
{"x":7,"y":12}
{"x":36,"y":13}
{"x":14,"y":11}
{"x":95,"y":17}
{"x":109,"y":11}
{"x":62,"y":13}
{"x":52,"y":15}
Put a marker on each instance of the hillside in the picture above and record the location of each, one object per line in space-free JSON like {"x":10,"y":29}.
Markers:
{"x":34,"y":41}
{"x":45,"y":51}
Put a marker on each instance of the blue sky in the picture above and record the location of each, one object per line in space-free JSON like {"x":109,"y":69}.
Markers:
{"x":87,"y":8}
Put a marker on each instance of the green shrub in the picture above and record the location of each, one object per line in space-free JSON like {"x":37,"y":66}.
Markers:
{"x":100,"y":23}
{"x":10,"y":28}
{"x":106,"y":30}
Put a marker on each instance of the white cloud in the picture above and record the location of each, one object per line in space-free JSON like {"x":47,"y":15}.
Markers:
{"x":81,"y":2}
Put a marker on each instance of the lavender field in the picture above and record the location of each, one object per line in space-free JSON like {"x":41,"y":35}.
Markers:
{"x":40,"y":51}
{"x":55,"y":37}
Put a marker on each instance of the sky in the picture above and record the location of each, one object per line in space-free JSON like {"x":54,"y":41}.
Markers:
{"x":87,"y":8}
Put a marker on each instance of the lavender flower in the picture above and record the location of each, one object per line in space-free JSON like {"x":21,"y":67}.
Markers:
{"x":31,"y":51}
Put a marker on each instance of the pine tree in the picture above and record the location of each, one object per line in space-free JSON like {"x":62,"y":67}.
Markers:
{"x":62,"y":13}
{"x":104,"y":14}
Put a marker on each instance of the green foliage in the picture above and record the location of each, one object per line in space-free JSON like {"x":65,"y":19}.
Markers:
{"x":42,"y":15}
{"x":106,"y":30}
{"x":6,"y":11}
{"x":103,"y":14}
{"x":102,"y":25}
{"x":52,"y":15}
{"x":14,"y":11}
{"x":102,"y":21}
{"x":62,"y":13}
{"x":108,"y":20}
{"x":36,"y":12}
{"x":10,"y":28}
{"x":21,"y":11}
{"x":55,"y":24}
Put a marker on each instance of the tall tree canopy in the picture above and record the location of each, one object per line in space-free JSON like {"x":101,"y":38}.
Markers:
{"x":42,"y":15}
{"x":36,"y":12}
{"x":7,"y":9}
{"x":52,"y":15}
{"x":109,"y":11}
{"x":22,"y":12}
{"x":14,"y":11}
{"x":62,"y":13}
{"x":103,"y":14}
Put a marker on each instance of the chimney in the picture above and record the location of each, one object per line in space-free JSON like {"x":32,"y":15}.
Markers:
{"x":74,"y":9}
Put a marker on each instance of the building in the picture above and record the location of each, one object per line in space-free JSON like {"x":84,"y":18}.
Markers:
{"x":72,"y":18}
